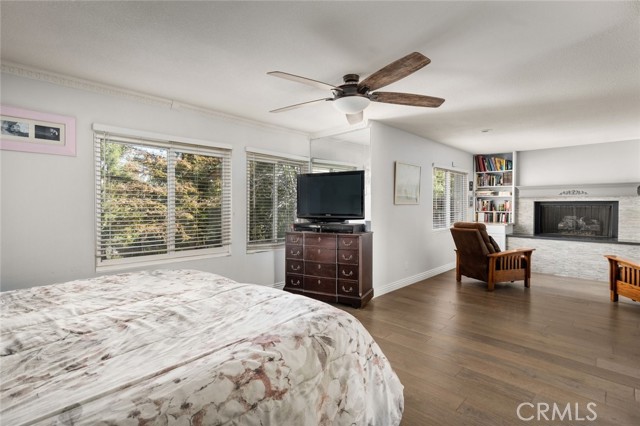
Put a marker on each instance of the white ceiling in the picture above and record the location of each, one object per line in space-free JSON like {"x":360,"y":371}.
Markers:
{"x":538,"y":74}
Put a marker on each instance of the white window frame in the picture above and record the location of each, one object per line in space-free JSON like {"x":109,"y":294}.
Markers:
{"x":176,"y":143}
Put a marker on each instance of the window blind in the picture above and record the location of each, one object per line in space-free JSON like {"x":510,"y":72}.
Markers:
{"x":271,"y":197}
{"x":449,"y":197}
{"x":160,"y":199}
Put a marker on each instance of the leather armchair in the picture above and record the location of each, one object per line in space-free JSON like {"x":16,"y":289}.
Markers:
{"x":479,"y":256}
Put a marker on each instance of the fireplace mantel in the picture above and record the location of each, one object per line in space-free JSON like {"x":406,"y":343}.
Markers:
{"x":580,"y":190}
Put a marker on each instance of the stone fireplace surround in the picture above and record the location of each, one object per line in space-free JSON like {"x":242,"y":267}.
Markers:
{"x":578,"y":257}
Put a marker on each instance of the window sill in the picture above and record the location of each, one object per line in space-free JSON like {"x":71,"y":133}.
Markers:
{"x":265,"y":248}
{"x":161,"y":259}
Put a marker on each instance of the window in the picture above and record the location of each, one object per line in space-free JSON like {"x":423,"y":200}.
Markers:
{"x":449,"y":197}
{"x":158,"y":199}
{"x":271,"y":197}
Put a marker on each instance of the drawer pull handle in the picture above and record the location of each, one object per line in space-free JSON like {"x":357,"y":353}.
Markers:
{"x":295,"y":240}
{"x":347,"y":258}
{"x":347,"y":275}
{"x":347,"y":291}
{"x":319,"y":239}
{"x":319,"y":281}
{"x":319,"y":251}
{"x":295,"y":267}
{"x":347,"y":243}
{"x":295,"y":283}
{"x":296,"y":253}
{"x":319,"y":266}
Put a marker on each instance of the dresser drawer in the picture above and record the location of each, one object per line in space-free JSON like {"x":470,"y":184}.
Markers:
{"x":294,"y":281}
{"x":332,"y":267}
{"x":348,"y":256}
{"x":348,"y":288}
{"x":293,"y":239}
{"x":348,"y":242}
{"x":320,"y":269}
{"x":292,"y":251}
{"x":348,"y":272}
{"x":320,"y":285}
{"x":320,"y":240}
{"x":295,"y":266}
{"x":320,"y":254}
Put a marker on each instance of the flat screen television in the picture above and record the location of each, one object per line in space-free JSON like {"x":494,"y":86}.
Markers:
{"x":331,"y":197}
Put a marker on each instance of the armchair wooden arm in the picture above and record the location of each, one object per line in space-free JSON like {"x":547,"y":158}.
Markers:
{"x":508,"y":265}
{"x":624,"y":278}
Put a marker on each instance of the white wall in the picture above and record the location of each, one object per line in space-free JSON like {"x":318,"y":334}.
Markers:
{"x":47,"y":210}
{"x":47,"y":217}
{"x":332,"y":149}
{"x":47,"y":202}
{"x":405,"y":247}
{"x":357,"y":154}
{"x":599,"y":163}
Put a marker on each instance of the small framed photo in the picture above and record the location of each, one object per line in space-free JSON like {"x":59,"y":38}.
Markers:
{"x":33,"y":131}
{"x":407,"y":184}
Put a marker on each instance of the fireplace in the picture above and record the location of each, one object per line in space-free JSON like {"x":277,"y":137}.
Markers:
{"x":576,"y":219}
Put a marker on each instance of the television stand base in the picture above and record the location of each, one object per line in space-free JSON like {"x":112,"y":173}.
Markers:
{"x":331,"y":227}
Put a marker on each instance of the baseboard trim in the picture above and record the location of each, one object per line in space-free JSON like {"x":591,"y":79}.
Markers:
{"x":387,"y":288}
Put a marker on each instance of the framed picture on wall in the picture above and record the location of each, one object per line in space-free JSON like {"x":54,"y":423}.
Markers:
{"x":33,"y":131}
{"x":407,"y":184}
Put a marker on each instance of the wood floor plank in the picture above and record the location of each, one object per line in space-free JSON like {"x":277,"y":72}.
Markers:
{"x":471,"y":357}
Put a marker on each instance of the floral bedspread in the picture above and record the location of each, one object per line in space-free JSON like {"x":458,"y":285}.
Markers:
{"x":184,"y":347}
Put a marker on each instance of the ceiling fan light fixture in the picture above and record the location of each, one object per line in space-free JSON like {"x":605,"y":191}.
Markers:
{"x":351,"y":104}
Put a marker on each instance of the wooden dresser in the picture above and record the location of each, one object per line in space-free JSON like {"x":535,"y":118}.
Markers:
{"x":330,"y":267}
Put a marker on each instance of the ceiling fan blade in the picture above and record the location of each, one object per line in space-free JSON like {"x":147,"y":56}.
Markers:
{"x":304,"y":80}
{"x":406,"y":99}
{"x":394,"y":71}
{"x":355,"y":118}
{"x":287,"y":108}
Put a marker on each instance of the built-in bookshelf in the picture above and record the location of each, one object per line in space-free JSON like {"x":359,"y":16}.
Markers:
{"x":494,"y":188}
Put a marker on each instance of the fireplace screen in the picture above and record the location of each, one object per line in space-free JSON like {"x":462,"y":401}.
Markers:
{"x":589,"y":219}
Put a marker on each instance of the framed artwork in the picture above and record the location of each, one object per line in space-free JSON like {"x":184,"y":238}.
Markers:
{"x":32,"y":131}
{"x":407,"y":184}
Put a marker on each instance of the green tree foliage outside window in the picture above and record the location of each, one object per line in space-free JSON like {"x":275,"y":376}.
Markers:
{"x":271,"y":200}
{"x":439,"y":195}
{"x":199,"y":212}
{"x":157,"y":200}
{"x":448,"y":197}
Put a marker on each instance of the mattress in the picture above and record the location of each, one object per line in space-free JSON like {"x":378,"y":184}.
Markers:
{"x":185,"y":347}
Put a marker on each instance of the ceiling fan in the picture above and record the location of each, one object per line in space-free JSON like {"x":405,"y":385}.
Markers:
{"x":354,"y":96}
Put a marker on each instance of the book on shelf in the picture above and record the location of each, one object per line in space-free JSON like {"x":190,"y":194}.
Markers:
{"x":492,"y":163}
{"x":493,"y":217}
{"x":492,"y":206}
{"x":507,"y":179}
{"x":490,"y":180}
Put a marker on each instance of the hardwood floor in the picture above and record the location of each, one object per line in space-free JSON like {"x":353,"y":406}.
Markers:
{"x":470,"y":357}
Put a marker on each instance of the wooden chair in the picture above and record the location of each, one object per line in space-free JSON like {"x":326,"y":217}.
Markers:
{"x":624,"y":278}
{"x":478,"y":256}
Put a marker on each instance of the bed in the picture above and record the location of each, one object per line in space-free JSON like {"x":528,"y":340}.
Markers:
{"x":185,"y":347}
